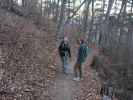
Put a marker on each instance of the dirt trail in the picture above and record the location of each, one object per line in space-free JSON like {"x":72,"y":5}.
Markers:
{"x":63,"y":87}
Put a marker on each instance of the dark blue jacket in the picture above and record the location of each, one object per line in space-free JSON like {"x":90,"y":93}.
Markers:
{"x":82,"y":53}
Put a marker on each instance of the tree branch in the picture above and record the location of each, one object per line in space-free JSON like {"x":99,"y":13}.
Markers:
{"x":74,"y":13}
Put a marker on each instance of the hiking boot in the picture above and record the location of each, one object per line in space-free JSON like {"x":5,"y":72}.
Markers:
{"x":76,"y":78}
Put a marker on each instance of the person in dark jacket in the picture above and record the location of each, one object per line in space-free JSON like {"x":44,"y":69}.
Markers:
{"x":65,"y":54}
{"x":81,"y":57}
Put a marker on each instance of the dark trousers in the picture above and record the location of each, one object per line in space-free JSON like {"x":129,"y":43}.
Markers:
{"x":78,"y":69}
{"x":65,"y":63}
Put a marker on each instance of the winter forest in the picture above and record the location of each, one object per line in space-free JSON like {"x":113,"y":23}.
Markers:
{"x":31,"y":32}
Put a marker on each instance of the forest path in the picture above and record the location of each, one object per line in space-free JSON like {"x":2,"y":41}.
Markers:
{"x":63,"y":87}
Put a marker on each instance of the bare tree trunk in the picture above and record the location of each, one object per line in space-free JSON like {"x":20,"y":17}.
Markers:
{"x":23,"y":3}
{"x":10,"y":4}
{"x":57,"y":12}
{"x":110,"y":4}
{"x":46,"y":9}
{"x":86,"y":12}
{"x":53,"y":9}
{"x":61,"y":21}
{"x":132,"y":7}
{"x":116,"y":7}
{"x":103,"y":6}
{"x":49,"y":10}
{"x":124,"y":2}
{"x":41,"y":8}
{"x":92,"y":18}
{"x":74,"y":1}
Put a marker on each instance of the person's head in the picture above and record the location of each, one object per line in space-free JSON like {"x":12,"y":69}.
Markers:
{"x":65,"y":38}
{"x":82,"y":41}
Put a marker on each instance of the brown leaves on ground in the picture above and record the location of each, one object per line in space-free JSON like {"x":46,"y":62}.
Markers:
{"x":24,"y":63}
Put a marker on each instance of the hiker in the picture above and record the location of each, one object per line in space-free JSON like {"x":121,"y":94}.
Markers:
{"x":81,"y":57}
{"x":65,"y":54}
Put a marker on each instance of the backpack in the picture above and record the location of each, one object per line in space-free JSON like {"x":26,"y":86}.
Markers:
{"x":85,"y":51}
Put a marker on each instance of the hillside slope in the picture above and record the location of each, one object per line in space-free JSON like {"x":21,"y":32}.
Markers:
{"x":24,"y":58}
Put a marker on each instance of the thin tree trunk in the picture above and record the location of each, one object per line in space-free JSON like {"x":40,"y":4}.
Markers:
{"x":116,"y":7}
{"x":57,"y":12}
{"x":103,"y":6}
{"x":68,"y":7}
{"x":54,"y":10}
{"x":124,"y":2}
{"x":61,"y":20}
{"x":23,"y":3}
{"x":74,"y":1}
{"x":92,"y":18}
{"x":41,"y":8}
{"x":132,"y":7}
{"x":85,"y":20}
{"x":110,"y":4}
